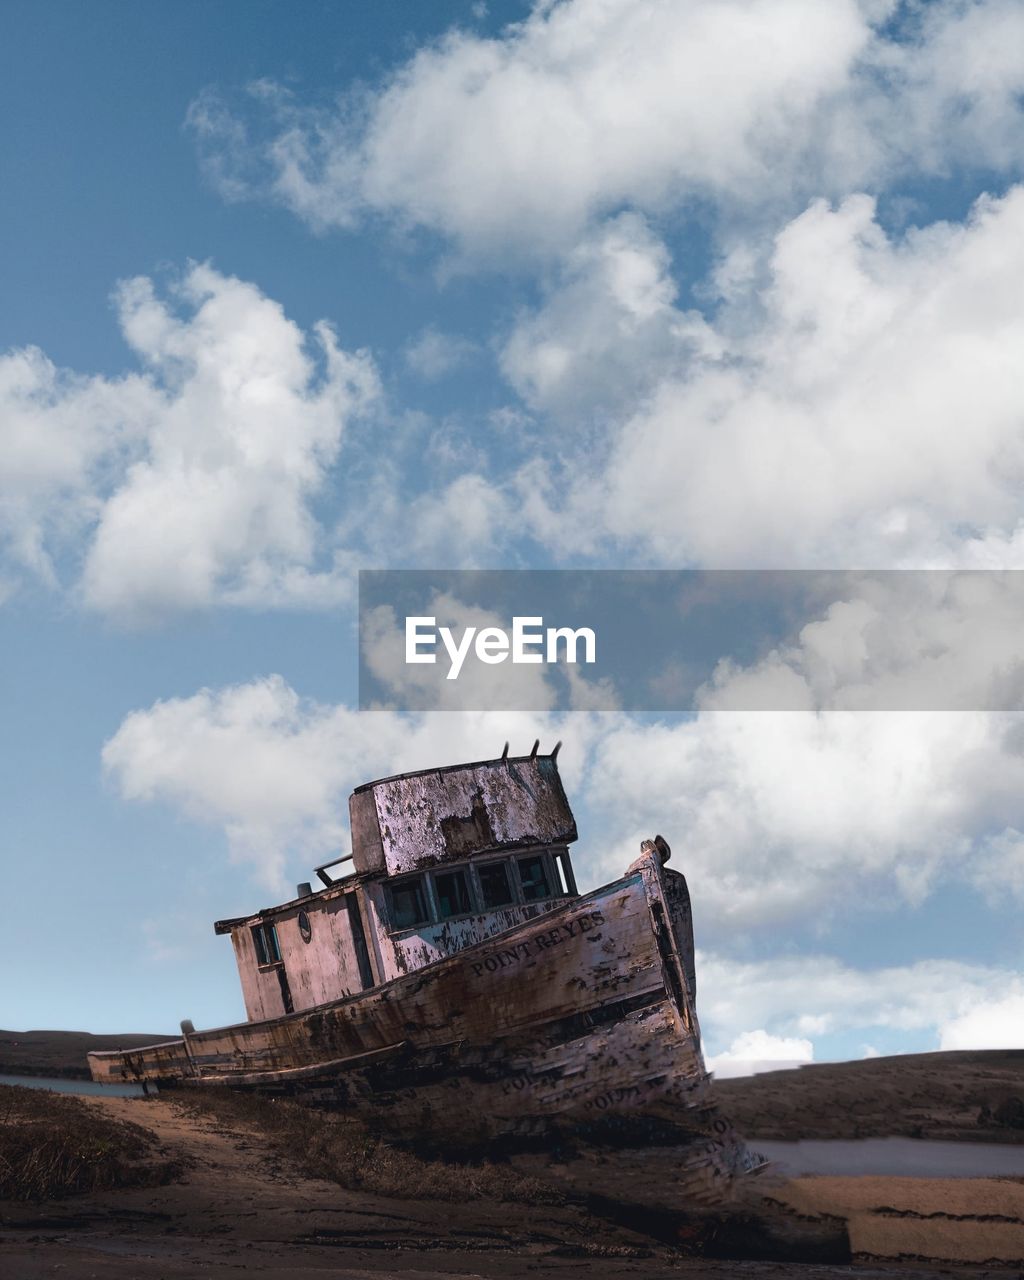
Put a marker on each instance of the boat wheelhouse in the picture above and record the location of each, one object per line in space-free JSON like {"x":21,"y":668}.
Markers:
{"x":441,"y":859}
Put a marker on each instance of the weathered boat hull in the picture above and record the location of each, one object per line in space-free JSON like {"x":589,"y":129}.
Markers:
{"x":581,"y":1018}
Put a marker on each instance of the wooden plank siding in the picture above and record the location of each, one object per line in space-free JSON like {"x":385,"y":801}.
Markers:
{"x":568,"y":1014}
{"x":318,"y":971}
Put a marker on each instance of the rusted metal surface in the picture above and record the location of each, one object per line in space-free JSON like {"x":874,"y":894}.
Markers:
{"x":323,"y":966}
{"x":569,"y":1017}
{"x":680,"y":913}
{"x":420,"y":820}
{"x":405,"y":952}
{"x":364,"y":824}
{"x":563,"y":1010}
{"x":598,"y":950}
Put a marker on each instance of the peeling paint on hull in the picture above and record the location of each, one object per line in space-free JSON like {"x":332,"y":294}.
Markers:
{"x":583,"y":1014}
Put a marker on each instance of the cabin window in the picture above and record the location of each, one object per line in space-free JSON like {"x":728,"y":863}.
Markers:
{"x":264,"y":939}
{"x":495,"y":885}
{"x":563,"y":870}
{"x":408,"y":903}
{"x":305,"y":928}
{"x":452,"y":894}
{"x":533,"y":877}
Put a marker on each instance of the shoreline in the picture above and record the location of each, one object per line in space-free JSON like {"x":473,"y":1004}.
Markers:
{"x":246,"y":1200}
{"x":240,"y":1202}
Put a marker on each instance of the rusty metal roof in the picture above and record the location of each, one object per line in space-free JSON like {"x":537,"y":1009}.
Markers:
{"x":410,"y":821}
{"x":454,"y":768}
{"x":415,"y":820}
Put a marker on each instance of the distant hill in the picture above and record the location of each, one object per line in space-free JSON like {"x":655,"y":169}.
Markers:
{"x":60,"y":1053}
{"x":975,"y":1095}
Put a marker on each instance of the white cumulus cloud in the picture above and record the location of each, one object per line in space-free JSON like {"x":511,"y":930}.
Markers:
{"x":997,"y":1023}
{"x":218,"y":504}
{"x":520,"y":139}
{"x":855,"y":400}
{"x":191,"y":482}
{"x":781,"y":820}
{"x":787,"y":818}
{"x":755,"y":1051}
{"x":954,"y":1004}
{"x":273,"y":770}
{"x":62,"y":435}
{"x":609,"y":330}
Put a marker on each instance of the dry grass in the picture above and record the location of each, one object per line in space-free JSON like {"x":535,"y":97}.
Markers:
{"x":339,"y":1149}
{"x":52,"y":1145}
{"x":968,"y":1095}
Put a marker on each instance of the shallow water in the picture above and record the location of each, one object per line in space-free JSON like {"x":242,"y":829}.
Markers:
{"x":59,"y":1085}
{"x":897,"y":1157}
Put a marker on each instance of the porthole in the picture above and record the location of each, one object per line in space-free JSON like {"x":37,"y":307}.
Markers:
{"x":305,"y":928}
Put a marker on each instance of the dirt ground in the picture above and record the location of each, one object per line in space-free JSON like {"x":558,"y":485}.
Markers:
{"x":241,"y":1208}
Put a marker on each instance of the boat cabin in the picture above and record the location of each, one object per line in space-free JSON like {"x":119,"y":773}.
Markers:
{"x":441,"y":859}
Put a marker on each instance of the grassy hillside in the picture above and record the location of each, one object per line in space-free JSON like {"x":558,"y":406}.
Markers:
{"x":973,"y":1096}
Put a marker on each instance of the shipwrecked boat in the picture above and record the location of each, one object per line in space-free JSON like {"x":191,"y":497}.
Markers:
{"x":453,"y":979}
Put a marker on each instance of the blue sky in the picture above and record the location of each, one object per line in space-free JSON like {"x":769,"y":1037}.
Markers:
{"x":290,"y":292}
